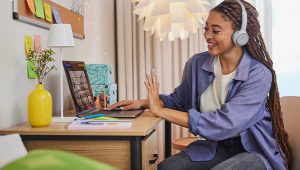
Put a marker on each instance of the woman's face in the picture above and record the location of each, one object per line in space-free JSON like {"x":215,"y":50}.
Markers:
{"x":218,"y":33}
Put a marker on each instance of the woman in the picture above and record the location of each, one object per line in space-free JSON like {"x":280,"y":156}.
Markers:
{"x":229,"y":96}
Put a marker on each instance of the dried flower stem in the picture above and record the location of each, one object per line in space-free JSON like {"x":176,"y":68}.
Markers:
{"x":40,"y":63}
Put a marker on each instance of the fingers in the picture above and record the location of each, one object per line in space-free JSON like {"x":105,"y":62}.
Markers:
{"x":119,"y":104}
{"x":149,"y":80}
{"x":147,"y":85}
{"x":127,"y":108}
{"x":152,"y":82}
{"x":154,"y":79}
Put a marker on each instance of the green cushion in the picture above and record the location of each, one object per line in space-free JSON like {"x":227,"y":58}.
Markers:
{"x":55,"y":160}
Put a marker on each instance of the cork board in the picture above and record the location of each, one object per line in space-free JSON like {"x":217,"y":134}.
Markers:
{"x":22,"y":13}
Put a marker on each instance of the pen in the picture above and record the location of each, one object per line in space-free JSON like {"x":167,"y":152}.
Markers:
{"x":105,"y":118}
{"x":92,"y":116}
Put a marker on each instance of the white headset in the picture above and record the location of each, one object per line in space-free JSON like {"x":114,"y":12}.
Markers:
{"x":241,"y":37}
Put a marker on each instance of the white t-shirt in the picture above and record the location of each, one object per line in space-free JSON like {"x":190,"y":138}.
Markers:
{"x":214,"y":96}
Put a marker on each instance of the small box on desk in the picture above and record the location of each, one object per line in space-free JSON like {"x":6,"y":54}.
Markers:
{"x":100,"y":73}
{"x":101,"y":79}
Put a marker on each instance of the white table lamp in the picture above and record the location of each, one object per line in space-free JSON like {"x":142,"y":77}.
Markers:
{"x":61,"y":36}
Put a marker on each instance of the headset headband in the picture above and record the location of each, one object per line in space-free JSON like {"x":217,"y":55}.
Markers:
{"x":244,"y":16}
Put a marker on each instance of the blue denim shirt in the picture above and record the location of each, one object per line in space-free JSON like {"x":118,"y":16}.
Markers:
{"x":244,"y":111}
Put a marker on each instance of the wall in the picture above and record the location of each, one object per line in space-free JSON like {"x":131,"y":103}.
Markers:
{"x":97,"y":47}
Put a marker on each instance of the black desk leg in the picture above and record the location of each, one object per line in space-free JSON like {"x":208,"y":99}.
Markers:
{"x":136,"y":152}
{"x":168,"y":135}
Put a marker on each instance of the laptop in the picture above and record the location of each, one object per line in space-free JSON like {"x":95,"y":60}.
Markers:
{"x":82,"y":95}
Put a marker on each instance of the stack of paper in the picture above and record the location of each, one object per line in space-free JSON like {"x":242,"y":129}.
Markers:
{"x":100,"y":124}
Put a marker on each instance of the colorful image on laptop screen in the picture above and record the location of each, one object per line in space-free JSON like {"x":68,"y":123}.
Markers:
{"x":79,"y":86}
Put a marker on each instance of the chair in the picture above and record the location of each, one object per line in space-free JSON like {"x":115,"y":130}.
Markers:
{"x":181,"y":143}
{"x":11,"y":148}
{"x":290,"y":106}
{"x":291,"y":118}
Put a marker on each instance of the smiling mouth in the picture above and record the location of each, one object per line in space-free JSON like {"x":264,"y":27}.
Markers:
{"x":211,"y":45}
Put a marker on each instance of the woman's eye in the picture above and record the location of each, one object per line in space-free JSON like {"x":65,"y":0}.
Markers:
{"x":216,"y":32}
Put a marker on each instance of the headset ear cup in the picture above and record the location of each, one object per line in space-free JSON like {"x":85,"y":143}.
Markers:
{"x":234,"y":37}
{"x":240,"y":38}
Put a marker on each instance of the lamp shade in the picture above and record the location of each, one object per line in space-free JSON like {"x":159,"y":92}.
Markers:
{"x":60,"y":35}
{"x":172,"y":18}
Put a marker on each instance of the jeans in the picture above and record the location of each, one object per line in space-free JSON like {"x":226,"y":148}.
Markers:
{"x":230,"y":155}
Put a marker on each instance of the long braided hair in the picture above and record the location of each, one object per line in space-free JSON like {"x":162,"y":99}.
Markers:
{"x":256,"y":47}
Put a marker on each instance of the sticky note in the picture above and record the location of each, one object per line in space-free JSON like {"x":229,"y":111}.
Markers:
{"x":30,"y":73}
{"x":37,"y":43}
{"x":28,"y":44}
{"x":48,"y":12}
{"x":56,"y":15}
{"x":39,"y":11}
{"x":31,"y":6}
{"x":28,"y":48}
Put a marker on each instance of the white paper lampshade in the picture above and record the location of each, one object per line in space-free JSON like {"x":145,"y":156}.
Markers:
{"x":172,"y":18}
{"x":60,"y":35}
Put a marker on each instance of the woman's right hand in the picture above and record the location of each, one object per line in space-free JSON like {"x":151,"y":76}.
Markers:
{"x":128,"y":105}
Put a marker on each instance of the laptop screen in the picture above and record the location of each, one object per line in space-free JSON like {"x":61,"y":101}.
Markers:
{"x":79,"y":86}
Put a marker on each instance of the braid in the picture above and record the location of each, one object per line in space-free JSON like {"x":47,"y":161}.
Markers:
{"x":256,"y":47}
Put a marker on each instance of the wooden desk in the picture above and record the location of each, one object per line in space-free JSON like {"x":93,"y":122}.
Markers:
{"x":134,"y":148}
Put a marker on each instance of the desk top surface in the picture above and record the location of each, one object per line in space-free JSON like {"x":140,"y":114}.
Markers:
{"x":141,"y":126}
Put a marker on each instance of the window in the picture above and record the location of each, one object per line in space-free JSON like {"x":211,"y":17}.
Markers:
{"x":285,"y":45}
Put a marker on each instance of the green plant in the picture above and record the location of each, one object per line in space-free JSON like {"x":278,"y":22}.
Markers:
{"x":40,"y":62}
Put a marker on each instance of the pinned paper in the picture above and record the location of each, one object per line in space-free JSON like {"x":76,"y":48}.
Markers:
{"x":31,"y":5}
{"x":28,"y":44}
{"x":39,"y":8}
{"x":37,"y":43}
{"x":30,"y":73}
{"x":28,"y":48}
{"x":48,"y":12}
{"x":56,"y":15}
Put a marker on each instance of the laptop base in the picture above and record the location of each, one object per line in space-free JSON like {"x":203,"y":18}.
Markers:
{"x":122,"y":113}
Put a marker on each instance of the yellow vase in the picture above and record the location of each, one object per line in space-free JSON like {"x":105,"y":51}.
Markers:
{"x":39,"y":107}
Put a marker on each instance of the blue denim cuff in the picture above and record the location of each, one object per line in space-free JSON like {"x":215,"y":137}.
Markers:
{"x":193,"y":121}
{"x":168,"y":103}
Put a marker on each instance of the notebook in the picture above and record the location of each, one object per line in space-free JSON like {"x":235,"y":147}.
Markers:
{"x":82,"y":94}
{"x":100,"y":124}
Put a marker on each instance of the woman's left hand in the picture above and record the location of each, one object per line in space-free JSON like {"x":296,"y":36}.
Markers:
{"x":152,"y":85}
